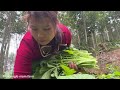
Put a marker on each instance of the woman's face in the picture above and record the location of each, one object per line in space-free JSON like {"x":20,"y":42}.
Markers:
{"x":42,"y":30}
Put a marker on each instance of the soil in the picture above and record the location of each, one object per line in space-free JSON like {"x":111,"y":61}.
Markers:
{"x":104,"y":58}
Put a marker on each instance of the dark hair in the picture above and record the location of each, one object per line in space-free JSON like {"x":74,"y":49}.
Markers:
{"x":41,"y":14}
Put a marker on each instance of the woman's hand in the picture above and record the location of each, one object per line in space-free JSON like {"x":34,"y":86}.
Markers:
{"x":73,"y":66}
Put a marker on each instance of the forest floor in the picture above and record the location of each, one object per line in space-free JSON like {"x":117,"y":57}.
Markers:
{"x":105,"y":58}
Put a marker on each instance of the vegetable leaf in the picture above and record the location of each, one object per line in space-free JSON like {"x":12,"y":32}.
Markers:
{"x":67,"y":70}
{"x":77,"y":76}
{"x":47,"y":75}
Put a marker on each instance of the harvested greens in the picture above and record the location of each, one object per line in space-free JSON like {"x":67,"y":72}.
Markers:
{"x":56,"y":67}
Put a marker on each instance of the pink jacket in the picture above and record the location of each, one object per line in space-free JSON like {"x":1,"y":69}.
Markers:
{"x":28,"y":51}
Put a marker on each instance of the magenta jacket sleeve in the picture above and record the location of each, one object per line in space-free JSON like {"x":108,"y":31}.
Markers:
{"x":23,"y":62}
{"x":68,"y":36}
{"x":67,"y":33}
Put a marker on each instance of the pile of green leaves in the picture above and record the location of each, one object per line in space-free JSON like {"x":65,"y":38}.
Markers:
{"x":57,"y":67}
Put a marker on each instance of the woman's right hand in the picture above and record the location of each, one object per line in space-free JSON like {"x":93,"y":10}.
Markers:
{"x":73,"y":66}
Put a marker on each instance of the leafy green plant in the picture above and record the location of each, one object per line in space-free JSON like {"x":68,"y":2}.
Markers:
{"x":7,"y":75}
{"x":58,"y":66}
{"x":67,"y":70}
{"x":114,"y":73}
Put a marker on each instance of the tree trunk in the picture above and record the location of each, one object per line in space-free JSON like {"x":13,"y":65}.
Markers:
{"x":78,"y":38}
{"x":102,"y":36}
{"x":107,"y":35}
{"x":6,"y":36}
{"x":6,"y":55}
{"x":84,"y":24}
{"x":117,"y":32}
{"x":92,"y":36}
{"x":110,"y":34}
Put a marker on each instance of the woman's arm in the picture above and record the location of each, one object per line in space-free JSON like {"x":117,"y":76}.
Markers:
{"x":23,"y":62}
{"x":67,"y":33}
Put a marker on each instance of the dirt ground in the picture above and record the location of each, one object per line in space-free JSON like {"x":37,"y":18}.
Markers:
{"x":111,"y":57}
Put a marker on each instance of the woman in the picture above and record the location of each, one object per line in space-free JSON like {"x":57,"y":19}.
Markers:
{"x":44,"y":37}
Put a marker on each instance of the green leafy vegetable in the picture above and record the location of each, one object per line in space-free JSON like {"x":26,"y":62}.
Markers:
{"x":47,"y":74}
{"x":57,"y":65}
{"x":67,"y":70}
